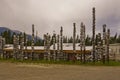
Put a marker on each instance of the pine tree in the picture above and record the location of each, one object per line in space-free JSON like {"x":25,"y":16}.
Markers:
{"x":118,"y":39}
{"x":88,"y":41}
{"x":115,"y":38}
{"x":70,"y":40}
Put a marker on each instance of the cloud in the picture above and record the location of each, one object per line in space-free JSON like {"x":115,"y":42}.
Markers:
{"x":49,"y":15}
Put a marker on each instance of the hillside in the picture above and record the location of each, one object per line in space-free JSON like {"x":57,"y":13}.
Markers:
{"x":2,"y":29}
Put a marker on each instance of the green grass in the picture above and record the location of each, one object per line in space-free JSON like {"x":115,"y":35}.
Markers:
{"x":111,"y":63}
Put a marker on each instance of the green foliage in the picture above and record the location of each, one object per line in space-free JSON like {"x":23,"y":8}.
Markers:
{"x":39,"y":43}
{"x":118,"y":39}
{"x":70,"y":40}
{"x":29,"y":42}
{"x":88,"y":41}
{"x":64,"y":39}
{"x":8,"y":36}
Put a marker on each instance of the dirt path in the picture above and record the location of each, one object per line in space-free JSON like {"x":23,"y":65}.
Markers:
{"x":10,"y":71}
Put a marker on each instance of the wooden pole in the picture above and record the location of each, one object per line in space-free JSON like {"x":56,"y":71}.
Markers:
{"x":93,"y":35}
{"x":54,"y":46}
{"x":61,"y":43}
{"x":108,"y":38}
{"x":2,"y":43}
{"x":74,"y":37}
{"x":58,"y":49}
{"x":81,"y":41}
{"x":84,"y":59}
{"x":104,"y":42}
{"x":74,"y":40}
{"x":25,"y":41}
{"x":22,"y":47}
{"x":48,"y":46}
{"x":45,"y":47}
{"x":32,"y":45}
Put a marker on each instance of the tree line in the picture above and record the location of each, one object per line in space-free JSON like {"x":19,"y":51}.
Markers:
{"x":8,"y":35}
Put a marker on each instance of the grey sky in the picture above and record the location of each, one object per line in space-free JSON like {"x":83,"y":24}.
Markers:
{"x":49,"y":15}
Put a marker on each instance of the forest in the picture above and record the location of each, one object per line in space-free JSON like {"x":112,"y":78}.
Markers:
{"x":8,"y":35}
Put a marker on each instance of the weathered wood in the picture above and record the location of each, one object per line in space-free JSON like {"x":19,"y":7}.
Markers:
{"x":93,"y":34}
{"x":82,"y":42}
{"x":58,"y":47}
{"x":15,"y":46}
{"x":104,"y":43}
{"x":108,"y":38}
{"x":54,"y":46}
{"x":2,"y":44}
{"x":22,"y":47}
{"x":32,"y":45}
{"x":61,"y":44}
{"x":74,"y":37}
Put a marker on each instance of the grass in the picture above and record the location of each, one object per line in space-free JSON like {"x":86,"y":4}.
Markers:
{"x":111,"y":63}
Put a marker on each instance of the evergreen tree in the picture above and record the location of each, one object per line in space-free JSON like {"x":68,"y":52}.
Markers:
{"x":70,"y":40}
{"x":118,"y":39}
{"x":29,"y":42}
{"x":115,"y":38}
{"x":9,"y":37}
{"x":5,"y":35}
{"x":77,"y":39}
{"x":88,"y":41}
{"x":64,"y":39}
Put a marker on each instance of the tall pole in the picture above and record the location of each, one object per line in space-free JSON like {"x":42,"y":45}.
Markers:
{"x":45,"y":47}
{"x":104,"y":34}
{"x":58,"y":50}
{"x":104,"y":42}
{"x":108,"y":38}
{"x":36,"y":36}
{"x":15,"y":46}
{"x":54,"y":46}
{"x":61,"y":43}
{"x":81,"y":41}
{"x":84,"y":44}
{"x":93,"y":34}
{"x":32,"y":46}
{"x":22,"y":46}
{"x":48,"y":46}
{"x":25,"y":41}
{"x":99,"y":47}
{"x":74,"y":40}
{"x":74,"y":37}
{"x":1,"y":47}
{"x":2,"y":43}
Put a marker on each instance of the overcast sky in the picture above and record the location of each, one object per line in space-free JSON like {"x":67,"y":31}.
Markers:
{"x":50,"y":15}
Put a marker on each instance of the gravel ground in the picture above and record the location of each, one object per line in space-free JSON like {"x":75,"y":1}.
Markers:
{"x":12,"y":71}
